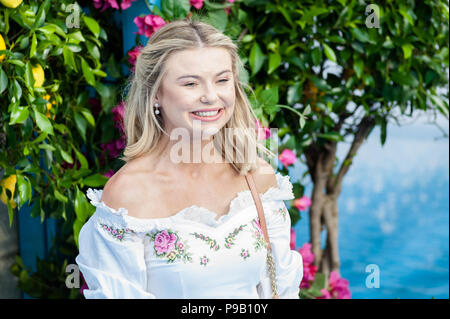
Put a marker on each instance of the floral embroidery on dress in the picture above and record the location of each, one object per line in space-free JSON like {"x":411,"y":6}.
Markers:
{"x":229,"y":240}
{"x":118,"y":233}
{"x":168,"y":244}
{"x":258,"y":235}
{"x":212,"y":243}
{"x":282,"y":211}
{"x":244,"y":253}
{"x":204,"y":260}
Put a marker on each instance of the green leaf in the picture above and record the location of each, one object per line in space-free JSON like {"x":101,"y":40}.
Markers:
{"x":43,"y":122}
{"x":87,"y":72}
{"x":40,"y":16}
{"x":256,"y":58}
{"x":92,"y":25}
{"x":95,"y":180}
{"x":18,"y":114}
{"x":3,"y":80}
{"x":358,"y":66}
{"x":60,"y":196}
{"x":69,"y":58}
{"x":33,"y":45}
{"x":407,"y":50}
{"x":332,"y":136}
{"x":66,"y":156}
{"x":316,"y":56}
{"x":76,"y":37}
{"x":274,"y":62}
{"x":81,"y":125}
{"x":81,"y":159}
{"x":269,"y":96}
{"x":81,"y":206}
{"x":329,"y":53}
{"x":29,"y":79}
{"x":88,"y":115}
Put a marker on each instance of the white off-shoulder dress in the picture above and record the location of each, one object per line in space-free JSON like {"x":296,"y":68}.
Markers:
{"x":190,"y":254}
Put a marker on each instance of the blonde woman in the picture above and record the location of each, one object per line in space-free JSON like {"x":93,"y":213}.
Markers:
{"x":170,"y":228}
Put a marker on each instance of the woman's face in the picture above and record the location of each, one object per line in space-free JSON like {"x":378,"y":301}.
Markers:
{"x":197,"y":79}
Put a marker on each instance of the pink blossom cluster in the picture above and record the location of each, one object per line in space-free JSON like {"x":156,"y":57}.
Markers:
{"x":338,"y":287}
{"x":262,"y":131}
{"x":287,"y":157}
{"x":133,"y":55}
{"x":198,"y":4}
{"x":105,"y":4}
{"x":148,"y":24}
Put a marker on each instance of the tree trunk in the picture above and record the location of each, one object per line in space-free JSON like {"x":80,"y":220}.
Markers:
{"x":325,"y":194}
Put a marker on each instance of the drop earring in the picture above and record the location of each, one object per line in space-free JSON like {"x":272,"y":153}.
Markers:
{"x":156,"y":108}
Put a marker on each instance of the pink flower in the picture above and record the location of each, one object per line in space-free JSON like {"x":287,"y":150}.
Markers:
{"x":126,"y":4}
{"x":149,"y":24}
{"x":109,"y":173}
{"x":197,"y":4}
{"x":180,"y":246}
{"x":302,"y":203}
{"x":287,"y":157}
{"x":118,"y":113}
{"x":165,"y":242}
{"x":292,"y":238}
{"x":84,"y":286}
{"x":307,"y":255}
{"x":325,"y":294}
{"x":106,"y":4}
{"x":309,"y":270}
{"x":339,"y":286}
{"x":133,"y":54}
{"x":262,"y":131}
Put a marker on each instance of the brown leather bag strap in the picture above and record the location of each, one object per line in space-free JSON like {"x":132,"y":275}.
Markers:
{"x":262,"y":222}
{"x":259,"y":207}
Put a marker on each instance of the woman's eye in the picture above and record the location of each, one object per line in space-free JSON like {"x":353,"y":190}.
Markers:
{"x":192,"y":84}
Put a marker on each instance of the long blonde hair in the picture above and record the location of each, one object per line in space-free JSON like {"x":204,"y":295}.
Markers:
{"x":143,"y":128}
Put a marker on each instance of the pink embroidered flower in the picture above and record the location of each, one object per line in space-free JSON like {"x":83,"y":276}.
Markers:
{"x":287,"y":157}
{"x":262,"y":131}
{"x":165,"y":242}
{"x":197,"y":4}
{"x":302,"y":203}
{"x":149,"y":24}
{"x":180,"y":246}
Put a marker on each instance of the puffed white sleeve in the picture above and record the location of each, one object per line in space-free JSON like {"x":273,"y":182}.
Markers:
{"x":288,"y":263}
{"x":111,"y":256}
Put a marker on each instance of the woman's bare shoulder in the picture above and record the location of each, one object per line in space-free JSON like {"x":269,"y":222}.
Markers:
{"x":126,"y":189}
{"x":264,"y":176}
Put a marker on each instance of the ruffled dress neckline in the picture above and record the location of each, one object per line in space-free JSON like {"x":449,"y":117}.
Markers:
{"x":194,"y":213}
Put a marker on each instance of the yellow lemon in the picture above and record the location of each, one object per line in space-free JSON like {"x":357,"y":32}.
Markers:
{"x":11,"y":3}
{"x":39,"y":75}
{"x":8,"y":183}
{"x":2,"y":47}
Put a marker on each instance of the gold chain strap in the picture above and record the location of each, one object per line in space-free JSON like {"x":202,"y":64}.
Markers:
{"x":273,"y":280}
